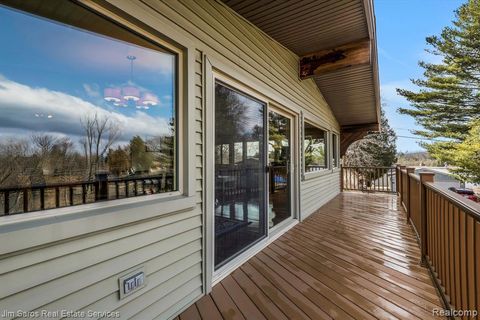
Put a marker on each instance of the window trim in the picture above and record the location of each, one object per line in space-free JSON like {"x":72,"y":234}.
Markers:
{"x":313,"y":174}
{"x":336,"y":146}
{"x":184,"y":144}
{"x":42,"y":227}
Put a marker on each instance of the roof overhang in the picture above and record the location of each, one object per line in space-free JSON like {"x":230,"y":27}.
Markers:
{"x":336,"y":44}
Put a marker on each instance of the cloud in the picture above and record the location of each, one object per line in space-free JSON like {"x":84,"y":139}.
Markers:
{"x":92,"y":90}
{"x":26,"y":109}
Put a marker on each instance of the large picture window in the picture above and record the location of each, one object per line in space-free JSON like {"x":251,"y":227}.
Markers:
{"x":315,"y":148}
{"x":88,"y":110}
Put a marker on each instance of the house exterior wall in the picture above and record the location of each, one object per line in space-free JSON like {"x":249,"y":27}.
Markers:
{"x":71,"y":258}
{"x":317,"y":191}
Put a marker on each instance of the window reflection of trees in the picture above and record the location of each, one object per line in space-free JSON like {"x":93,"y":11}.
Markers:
{"x":239,"y":172}
{"x":278,"y":135}
{"x":315,"y":148}
{"x":49,"y":166}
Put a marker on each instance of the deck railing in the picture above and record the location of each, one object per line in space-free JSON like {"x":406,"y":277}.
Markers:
{"x":448,"y":230}
{"x":372,"y":179}
{"x":22,"y":199}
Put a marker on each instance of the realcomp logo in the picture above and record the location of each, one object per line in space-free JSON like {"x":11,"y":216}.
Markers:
{"x":455,"y":313}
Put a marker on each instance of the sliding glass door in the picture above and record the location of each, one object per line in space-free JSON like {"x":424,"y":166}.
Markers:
{"x":279,"y":165}
{"x":240,"y":176}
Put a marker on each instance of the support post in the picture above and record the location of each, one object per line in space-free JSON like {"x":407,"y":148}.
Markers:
{"x":399,"y":183}
{"x":400,"y":168}
{"x":408,"y":206}
{"x":341,"y":178}
{"x":424,"y":178}
{"x":397,"y":178}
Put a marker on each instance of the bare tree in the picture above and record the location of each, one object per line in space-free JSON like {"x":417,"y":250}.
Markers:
{"x":100,"y":134}
{"x":13,"y":155}
{"x":16,"y":164}
{"x":44,"y":142}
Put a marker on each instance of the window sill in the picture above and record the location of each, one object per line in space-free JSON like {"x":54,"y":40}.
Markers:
{"x":22,"y":231}
{"x":316,"y":174}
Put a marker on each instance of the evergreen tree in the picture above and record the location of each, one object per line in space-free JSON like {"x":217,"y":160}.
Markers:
{"x":377,"y":149}
{"x":142,"y":160}
{"x":278,"y":130}
{"x":448,"y":100}
{"x":118,"y":161}
{"x":466,"y":155}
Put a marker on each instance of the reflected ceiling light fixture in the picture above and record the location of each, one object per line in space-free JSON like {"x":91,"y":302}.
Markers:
{"x":41,"y":115}
{"x":130,"y":94}
{"x":112,"y":94}
{"x":149,"y":99}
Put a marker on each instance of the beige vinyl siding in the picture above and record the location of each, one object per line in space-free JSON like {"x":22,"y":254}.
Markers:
{"x":315,"y":192}
{"x":87,"y":278}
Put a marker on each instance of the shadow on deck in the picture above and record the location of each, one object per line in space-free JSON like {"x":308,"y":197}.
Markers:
{"x":355,"y":258}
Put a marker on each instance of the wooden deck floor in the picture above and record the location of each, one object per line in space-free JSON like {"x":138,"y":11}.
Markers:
{"x":356,"y":258}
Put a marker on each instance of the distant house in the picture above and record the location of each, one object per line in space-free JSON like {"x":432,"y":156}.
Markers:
{"x":443,"y":175}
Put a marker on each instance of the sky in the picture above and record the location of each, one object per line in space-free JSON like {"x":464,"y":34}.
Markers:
{"x":53,"y":77}
{"x":402,"y":26}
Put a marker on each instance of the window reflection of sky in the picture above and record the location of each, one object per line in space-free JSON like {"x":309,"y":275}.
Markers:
{"x":49,"y":69}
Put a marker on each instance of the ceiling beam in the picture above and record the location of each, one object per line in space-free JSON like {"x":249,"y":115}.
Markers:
{"x":328,"y":60}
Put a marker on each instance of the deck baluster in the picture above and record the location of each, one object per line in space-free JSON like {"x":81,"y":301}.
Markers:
{"x":25,"y":200}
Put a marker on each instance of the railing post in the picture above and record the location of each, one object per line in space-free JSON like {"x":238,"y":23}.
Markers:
{"x":341,"y":178}
{"x":400,"y":168}
{"x":25,"y":200}
{"x":42,"y":197}
{"x":397,"y":178}
{"x":70,"y":195}
{"x":6,"y":203}
{"x":424,"y":177}
{"x":101,"y":186}
{"x":408,"y":206}
{"x":399,"y":183}
{"x":57,"y":197}
{"x":169,"y":183}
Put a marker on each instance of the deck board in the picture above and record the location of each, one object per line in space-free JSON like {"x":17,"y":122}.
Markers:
{"x":355,"y":258}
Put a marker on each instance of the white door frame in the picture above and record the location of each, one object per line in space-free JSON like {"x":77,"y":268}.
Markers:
{"x":294,"y":172}
{"x":217,"y":70}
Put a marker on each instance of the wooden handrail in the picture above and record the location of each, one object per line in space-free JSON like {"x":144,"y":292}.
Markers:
{"x":355,"y":167}
{"x":76,"y":183}
{"x":414,"y":176}
{"x":470,"y":207}
{"x":448,"y":230}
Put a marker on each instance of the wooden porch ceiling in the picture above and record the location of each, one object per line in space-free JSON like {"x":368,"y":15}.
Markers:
{"x":355,"y":258}
{"x":328,"y":29}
